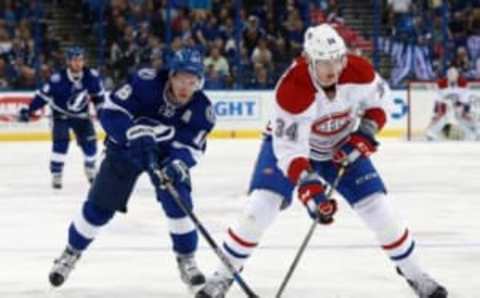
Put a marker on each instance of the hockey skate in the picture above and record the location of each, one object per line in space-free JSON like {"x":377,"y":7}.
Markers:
{"x":90,"y":172}
{"x":57,"y":180}
{"x":63,"y":266}
{"x":216,"y":287}
{"x":426,"y":287}
{"x":189,"y":272}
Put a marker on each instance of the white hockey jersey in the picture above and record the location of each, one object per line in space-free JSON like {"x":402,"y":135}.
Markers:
{"x":453,"y":98}
{"x":306,"y":124}
{"x":453,"y":107}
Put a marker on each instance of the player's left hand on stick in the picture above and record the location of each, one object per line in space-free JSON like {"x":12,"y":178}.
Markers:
{"x":311,"y":191}
{"x":177,"y":172}
{"x":358,"y":144}
{"x":23,"y":115}
{"x":142,"y":146}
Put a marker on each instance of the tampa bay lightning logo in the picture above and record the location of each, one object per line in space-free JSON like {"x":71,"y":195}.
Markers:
{"x":78,"y":101}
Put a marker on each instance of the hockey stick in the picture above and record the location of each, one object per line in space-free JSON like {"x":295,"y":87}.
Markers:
{"x":309,"y":235}
{"x":166,"y":184}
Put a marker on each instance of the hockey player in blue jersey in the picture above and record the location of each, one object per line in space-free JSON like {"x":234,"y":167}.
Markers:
{"x":158,"y":120}
{"x":68,"y":94}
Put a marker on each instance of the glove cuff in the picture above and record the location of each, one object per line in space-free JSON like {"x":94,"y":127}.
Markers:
{"x":310,"y":191}
{"x":297,"y":168}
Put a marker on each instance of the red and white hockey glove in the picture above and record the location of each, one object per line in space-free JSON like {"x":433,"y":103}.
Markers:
{"x":311,"y":191}
{"x":358,"y":144}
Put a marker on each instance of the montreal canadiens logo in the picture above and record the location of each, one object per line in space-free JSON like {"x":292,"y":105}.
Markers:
{"x":332,"y":124}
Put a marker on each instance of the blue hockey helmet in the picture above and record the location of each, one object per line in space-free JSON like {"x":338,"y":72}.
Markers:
{"x":188,"y":60}
{"x":74,"y":52}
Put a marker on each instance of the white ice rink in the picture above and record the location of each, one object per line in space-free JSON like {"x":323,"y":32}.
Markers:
{"x":435,"y":186}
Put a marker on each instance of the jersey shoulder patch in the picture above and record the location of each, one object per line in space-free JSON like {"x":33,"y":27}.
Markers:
{"x":56,"y":77}
{"x":442,"y":83}
{"x":295,"y":91}
{"x":357,"y":71}
{"x":147,"y":74}
{"x":94,"y":73}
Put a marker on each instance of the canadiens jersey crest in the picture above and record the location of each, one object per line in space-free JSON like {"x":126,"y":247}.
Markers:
{"x":332,"y":124}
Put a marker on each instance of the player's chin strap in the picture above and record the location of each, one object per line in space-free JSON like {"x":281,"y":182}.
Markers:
{"x":160,"y":181}
{"x":341,"y":172}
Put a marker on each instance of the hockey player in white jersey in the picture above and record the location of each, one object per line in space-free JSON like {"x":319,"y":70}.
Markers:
{"x":328,"y":108}
{"x":453,"y":118}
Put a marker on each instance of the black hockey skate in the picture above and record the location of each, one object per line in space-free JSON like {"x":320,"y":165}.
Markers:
{"x":189,"y":272}
{"x":426,"y":287}
{"x":57,"y":180}
{"x":90,"y":173}
{"x":63,"y":266}
{"x":216,"y":287}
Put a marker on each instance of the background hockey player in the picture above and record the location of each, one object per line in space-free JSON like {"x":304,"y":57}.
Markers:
{"x":158,"y":120}
{"x":68,"y":93}
{"x":329,"y":106}
{"x":453,"y":118}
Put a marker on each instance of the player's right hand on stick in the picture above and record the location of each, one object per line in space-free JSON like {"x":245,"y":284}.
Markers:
{"x":23,"y":115}
{"x":311,"y":191}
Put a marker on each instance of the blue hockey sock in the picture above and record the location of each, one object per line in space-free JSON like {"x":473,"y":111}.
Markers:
{"x":86,"y":225}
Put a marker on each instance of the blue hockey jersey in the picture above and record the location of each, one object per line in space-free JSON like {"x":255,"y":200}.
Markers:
{"x":181,"y":132}
{"x":70,"y":97}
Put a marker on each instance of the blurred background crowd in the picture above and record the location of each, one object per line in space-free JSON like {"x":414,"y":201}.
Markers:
{"x":247,"y":44}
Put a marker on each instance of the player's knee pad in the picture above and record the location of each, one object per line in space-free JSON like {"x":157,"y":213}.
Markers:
{"x":261,"y":210}
{"x":379,"y":215}
{"x":89,"y":220}
{"x":60,"y":146}
{"x":89,"y":147}
{"x":169,"y":205}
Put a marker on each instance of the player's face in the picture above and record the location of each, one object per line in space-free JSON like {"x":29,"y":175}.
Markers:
{"x":184,"y":84}
{"x":328,"y":71}
{"x":76,"y":64}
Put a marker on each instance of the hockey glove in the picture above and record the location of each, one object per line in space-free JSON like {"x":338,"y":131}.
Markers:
{"x":177,"y":172}
{"x":24,"y":115}
{"x":358,"y":144}
{"x":142,"y":147}
{"x":311,"y":191}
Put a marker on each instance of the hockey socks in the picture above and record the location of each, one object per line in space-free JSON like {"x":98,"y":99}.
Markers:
{"x":86,"y":225}
{"x":395,"y":239}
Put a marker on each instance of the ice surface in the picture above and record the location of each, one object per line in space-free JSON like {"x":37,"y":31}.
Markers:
{"x":435,"y":187}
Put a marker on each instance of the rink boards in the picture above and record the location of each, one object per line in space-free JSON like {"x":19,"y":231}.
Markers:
{"x":240,"y":114}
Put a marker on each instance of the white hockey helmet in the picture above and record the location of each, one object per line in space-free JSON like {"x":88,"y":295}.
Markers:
{"x":322,"y":44}
{"x":452,"y":75}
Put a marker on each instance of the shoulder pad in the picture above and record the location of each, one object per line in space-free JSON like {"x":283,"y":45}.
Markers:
{"x":357,"y":71}
{"x":147,"y":73}
{"x":442,"y":83}
{"x":462,"y":82}
{"x":295,"y":92}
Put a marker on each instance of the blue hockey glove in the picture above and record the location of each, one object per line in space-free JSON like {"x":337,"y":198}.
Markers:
{"x":358,"y":144}
{"x":142,"y":147}
{"x":24,"y":115}
{"x":311,"y":192}
{"x":177,"y":172}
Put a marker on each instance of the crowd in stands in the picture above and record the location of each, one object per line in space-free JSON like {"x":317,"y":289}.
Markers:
{"x":246,"y":48}
{"x":29,"y":52}
{"x":423,"y":38}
